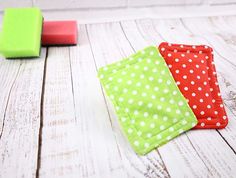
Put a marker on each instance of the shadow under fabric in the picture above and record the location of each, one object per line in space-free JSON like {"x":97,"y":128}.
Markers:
{"x":150,"y":108}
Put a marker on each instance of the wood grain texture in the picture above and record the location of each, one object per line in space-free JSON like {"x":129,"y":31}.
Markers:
{"x":9,"y":71}
{"x":20,"y":132}
{"x":59,"y":150}
{"x":55,"y":120}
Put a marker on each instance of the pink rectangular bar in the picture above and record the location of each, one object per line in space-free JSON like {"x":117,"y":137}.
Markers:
{"x":59,"y":33}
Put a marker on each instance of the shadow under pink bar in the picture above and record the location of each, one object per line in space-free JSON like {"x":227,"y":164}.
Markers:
{"x":59,"y":33}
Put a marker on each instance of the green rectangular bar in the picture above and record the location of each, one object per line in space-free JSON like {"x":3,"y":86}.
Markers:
{"x":21,"y":33}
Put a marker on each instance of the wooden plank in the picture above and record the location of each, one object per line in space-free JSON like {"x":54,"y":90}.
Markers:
{"x":78,"y":4}
{"x":99,"y":154}
{"x":9,"y":71}
{"x":230,"y":21}
{"x":59,"y":148}
{"x":209,"y":32}
{"x":108,"y":45}
{"x":223,"y":24}
{"x":19,"y":139}
{"x":225,"y":30}
{"x":206,"y":143}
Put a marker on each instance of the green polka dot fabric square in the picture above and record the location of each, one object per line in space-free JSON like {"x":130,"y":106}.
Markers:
{"x":150,"y":108}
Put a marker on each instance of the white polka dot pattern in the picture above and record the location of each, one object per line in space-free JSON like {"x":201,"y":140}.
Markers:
{"x":195,"y":75}
{"x":151,"y":109}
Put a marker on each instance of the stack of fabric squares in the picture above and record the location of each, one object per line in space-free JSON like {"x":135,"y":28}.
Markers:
{"x":159,"y":93}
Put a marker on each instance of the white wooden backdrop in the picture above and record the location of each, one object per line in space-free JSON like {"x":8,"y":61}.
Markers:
{"x":81,"y":4}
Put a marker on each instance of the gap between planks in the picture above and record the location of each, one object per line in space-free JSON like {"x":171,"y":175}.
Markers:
{"x":8,"y":97}
{"x":41,"y":116}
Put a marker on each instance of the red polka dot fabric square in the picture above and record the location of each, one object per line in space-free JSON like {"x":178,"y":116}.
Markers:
{"x":194,"y":72}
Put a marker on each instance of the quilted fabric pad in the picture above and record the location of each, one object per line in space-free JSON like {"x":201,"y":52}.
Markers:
{"x":194,"y":72}
{"x":150,"y":108}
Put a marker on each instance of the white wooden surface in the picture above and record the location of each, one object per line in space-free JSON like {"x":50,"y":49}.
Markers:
{"x":55,"y":120}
